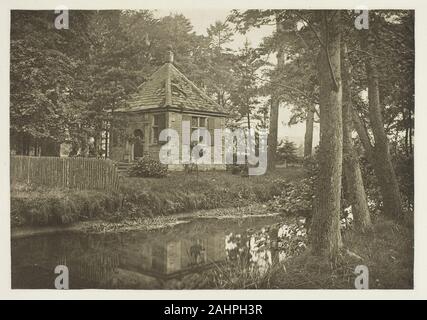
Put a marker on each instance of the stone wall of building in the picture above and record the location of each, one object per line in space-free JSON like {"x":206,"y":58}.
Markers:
{"x":121,"y":148}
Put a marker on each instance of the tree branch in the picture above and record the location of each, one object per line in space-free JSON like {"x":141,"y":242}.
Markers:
{"x":302,"y":93}
{"x":328,"y":56}
{"x":323,"y":45}
{"x":312,"y":29}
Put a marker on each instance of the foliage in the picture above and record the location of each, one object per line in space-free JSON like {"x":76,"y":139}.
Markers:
{"x":404,"y":168}
{"x":294,"y":82}
{"x":245,"y":91}
{"x":256,"y":257}
{"x":286,"y":151}
{"x":44,"y":67}
{"x":296,"y":197}
{"x":180,"y":192}
{"x":218,"y":60}
{"x":404,"y":165}
{"x":237,"y":168}
{"x":388,"y":253}
{"x":239,"y":274}
{"x":66,"y":84}
{"x":148,"y":167}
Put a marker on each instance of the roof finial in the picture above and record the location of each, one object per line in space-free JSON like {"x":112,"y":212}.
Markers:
{"x":170,"y":57}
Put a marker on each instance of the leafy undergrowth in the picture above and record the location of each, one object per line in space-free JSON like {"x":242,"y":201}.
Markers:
{"x":387,"y":252}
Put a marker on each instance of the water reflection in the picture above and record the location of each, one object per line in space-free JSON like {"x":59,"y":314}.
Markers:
{"x":152,"y":260}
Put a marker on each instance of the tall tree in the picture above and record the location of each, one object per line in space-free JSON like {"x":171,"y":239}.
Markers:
{"x":275,"y":104}
{"x":351,"y":168}
{"x":294,"y":79}
{"x":244,"y":95}
{"x":44,"y":66}
{"x":325,"y":232}
{"x":218,"y":60}
{"x":378,"y":151}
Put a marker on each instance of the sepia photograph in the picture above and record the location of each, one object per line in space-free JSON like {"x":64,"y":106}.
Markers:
{"x":188,"y":149}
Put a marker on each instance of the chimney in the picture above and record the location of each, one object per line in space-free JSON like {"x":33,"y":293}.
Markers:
{"x":170,"y":53}
{"x":170,"y":58}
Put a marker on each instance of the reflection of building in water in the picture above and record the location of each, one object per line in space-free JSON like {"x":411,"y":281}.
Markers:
{"x":140,"y":260}
{"x":171,"y":257}
{"x":96,"y":261}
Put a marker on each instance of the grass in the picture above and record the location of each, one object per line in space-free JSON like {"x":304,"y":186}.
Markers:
{"x":388,"y":252}
{"x":39,"y":206}
{"x":145,"y":197}
{"x":241,"y":275}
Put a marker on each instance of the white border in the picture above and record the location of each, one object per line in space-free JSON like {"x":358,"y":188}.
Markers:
{"x":420,"y":267}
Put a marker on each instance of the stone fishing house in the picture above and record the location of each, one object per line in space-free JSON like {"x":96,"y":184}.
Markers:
{"x":165,"y":100}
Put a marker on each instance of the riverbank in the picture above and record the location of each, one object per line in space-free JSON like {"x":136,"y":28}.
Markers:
{"x":140,"y":198}
{"x":146,"y":223}
{"x":387,"y":252}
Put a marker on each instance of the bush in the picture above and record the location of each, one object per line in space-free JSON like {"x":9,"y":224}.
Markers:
{"x":149,"y":168}
{"x":237,"y":168}
{"x":296,"y":197}
{"x":404,"y":165}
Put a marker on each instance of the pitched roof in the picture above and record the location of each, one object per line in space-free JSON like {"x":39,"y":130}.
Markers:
{"x":168,"y":87}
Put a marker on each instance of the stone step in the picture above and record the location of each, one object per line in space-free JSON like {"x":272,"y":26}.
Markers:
{"x":123,"y":167}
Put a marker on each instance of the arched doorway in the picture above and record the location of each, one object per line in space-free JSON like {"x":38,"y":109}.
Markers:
{"x":138,"y":146}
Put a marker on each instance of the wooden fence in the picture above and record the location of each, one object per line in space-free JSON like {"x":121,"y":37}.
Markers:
{"x":73,"y":173}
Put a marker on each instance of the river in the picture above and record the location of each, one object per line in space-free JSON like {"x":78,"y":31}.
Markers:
{"x":176,"y":257}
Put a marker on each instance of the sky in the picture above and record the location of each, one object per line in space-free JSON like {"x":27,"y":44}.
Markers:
{"x":201,"y":19}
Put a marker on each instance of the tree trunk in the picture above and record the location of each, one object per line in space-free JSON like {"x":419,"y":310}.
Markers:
{"x":272,"y":135}
{"x":325,"y":231}
{"x":248,"y":119}
{"x":406,"y":133}
{"x":352,"y":173}
{"x":380,"y":154}
{"x":274,"y":112}
{"x":411,"y":147}
{"x":308,"y":137}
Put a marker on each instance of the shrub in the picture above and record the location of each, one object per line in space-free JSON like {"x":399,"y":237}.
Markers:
{"x":149,"y":168}
{"x":237,"y":168}
{"x":404,"y":165}
{"x":296,"y":197}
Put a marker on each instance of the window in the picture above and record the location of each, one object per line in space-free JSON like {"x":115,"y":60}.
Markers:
{"x":197,"y":123}
{"x":194,"y":122}
{"x":155,"y":132}
{"x":159,"y":123}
